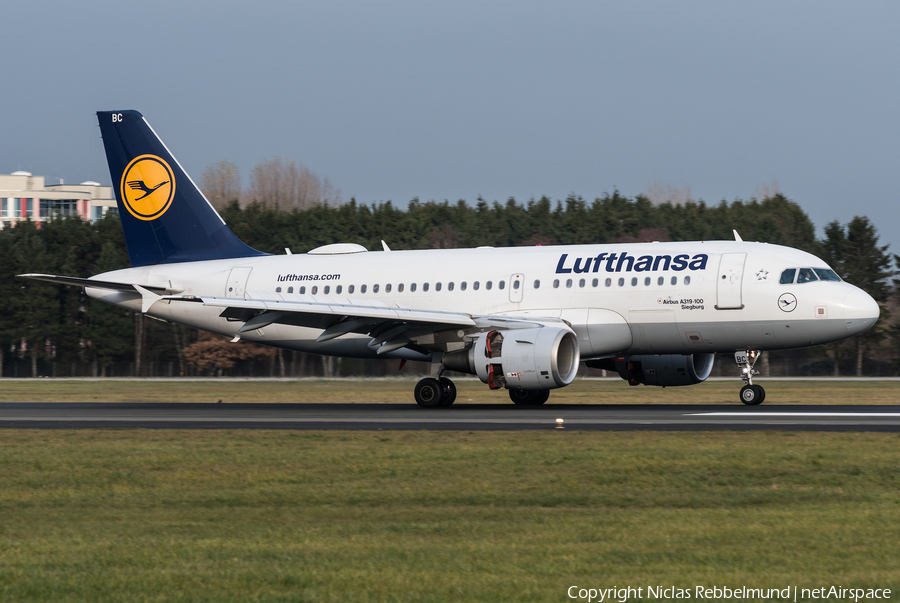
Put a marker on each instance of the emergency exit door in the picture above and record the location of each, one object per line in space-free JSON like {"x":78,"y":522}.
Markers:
{"x":728,"y":281}
{"x":516,"y":288}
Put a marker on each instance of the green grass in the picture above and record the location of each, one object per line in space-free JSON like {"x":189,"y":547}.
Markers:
{"x":470,"y":392}
{"x":140,"y":515}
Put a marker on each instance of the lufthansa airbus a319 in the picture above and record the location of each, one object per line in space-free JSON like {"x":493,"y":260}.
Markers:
{"x":521,"y":319}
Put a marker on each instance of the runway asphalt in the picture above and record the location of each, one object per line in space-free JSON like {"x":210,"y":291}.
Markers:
{"x":459,"y":417}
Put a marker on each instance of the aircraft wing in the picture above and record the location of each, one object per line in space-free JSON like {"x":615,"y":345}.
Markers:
{"x":391,"y":327}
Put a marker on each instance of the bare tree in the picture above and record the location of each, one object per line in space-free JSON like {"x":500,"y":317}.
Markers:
{"x":221,"y":183}
{"x":658,"y":193}
{"x":767,"y":191}
{"x":289,"y":185}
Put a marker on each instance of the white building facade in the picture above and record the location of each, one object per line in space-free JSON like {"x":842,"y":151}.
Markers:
{"x":24,"y":196}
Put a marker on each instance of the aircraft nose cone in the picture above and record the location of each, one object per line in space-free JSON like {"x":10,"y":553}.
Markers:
{"x":860,"y":311}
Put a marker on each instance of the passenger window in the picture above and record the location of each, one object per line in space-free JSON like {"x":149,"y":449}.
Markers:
{"x":400,"y":288}
{"x":387,"y":288}
{"x":314,"y":290}
{"x":595,"y":282}
{"x":290,"y":289}
{"x":687,"y":280}
{"x":412,"y":288}
{"x":621,"y":282}
{"x":349,"y":289}
{"x":327,"y":290}
{"x":450,"y":286}
{"x":581,"y":283}
{"x":424,"y":286}
{"x":502,"y":284}
{"x":374,"y":288}
{"x":827,"y":275}
{"x":437,"y":286}
{"x":462,"y":286}
{"x":338,"y":289}
{"x":302,"y":290}
{"x":608,"y":282}
{"x":634,"y":281}
{"x":787,"y":277}
{"x":277,"y":289}
{"x":806,"y":275}
{"x":362,"y":289}
{"x":647,"y":281}
{"x":489,"y":284}
{"x":674,"y":280}
{"x":661,"y":281}
{"x":476,"y":285}
{"x":537,"y":284}
{"x":556,"y":283}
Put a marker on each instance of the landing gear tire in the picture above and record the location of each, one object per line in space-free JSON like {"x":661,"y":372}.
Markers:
{"x":762,"y":393}
{"x":752,"y":395}
{"x":529,"y":397}
{"x":429,"y":392}
{"x":448,"y":391}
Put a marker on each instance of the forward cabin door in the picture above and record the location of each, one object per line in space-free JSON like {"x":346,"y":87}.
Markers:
{"x":516,"y":288}
{"x":729,"y":280}
{"x":237,"y":281}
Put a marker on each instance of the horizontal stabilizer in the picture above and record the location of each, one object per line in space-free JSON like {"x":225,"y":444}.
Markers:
{"x":95,"y":284}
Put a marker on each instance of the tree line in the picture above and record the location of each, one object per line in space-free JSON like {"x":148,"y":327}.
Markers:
{"x":43,"y":324}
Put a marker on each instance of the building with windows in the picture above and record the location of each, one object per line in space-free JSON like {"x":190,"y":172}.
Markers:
{"x":24,"y":196}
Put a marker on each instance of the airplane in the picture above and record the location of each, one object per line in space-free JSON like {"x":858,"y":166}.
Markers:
{"x":521,"y":319}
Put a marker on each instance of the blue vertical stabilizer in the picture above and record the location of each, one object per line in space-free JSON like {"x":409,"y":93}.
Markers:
{"x":165,"y":217}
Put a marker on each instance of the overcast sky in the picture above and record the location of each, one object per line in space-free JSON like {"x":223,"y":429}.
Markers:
{"x":395,"y":100}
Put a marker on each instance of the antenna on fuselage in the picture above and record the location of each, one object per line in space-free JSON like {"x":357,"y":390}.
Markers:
{"x":737,"y":237}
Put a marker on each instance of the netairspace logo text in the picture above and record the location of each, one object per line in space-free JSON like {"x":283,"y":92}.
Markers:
{"x":719,"y":593}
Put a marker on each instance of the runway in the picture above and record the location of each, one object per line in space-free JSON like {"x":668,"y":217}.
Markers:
{"x":460,"y":417}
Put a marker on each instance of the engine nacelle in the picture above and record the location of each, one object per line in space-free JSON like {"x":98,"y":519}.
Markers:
{"x":665,"y":370}
{"x":538,"y":358}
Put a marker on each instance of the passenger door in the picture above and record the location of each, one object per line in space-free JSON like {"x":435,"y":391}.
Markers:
{"x":237,"y":281}
{"x":729,"y":281}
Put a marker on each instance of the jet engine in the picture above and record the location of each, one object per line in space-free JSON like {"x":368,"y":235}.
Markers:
{"x":664,"y":370}
{"x":532,"y":359}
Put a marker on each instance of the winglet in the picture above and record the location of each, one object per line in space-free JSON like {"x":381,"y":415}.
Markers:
{"x":148,"y":298}
{"x":737,"y":237}
{"x":385,"y":245}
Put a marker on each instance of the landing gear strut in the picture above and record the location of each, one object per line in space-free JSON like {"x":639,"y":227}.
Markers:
{"x":750,"y":394}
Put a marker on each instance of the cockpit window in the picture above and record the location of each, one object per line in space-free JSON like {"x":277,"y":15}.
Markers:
{"x":806,"y":276}
{"x":827,"y":275}
{"x":787,"y":277}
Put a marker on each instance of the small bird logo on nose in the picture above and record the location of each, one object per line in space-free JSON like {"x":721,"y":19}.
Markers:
{"x":139,"y":185}
{"x":787,"y":302}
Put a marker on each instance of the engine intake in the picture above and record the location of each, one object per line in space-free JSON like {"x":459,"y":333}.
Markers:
{"x":538,"y":358}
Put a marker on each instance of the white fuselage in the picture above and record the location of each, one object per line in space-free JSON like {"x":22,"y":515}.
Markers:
{"x":661,"y":298}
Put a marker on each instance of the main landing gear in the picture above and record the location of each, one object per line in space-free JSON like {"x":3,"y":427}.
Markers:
{"x":751,"y":394}
{"x":431,"y":392}
{"x":529,"y":397}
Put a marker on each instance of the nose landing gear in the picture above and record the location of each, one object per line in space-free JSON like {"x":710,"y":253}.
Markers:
{"x":751,"y":394}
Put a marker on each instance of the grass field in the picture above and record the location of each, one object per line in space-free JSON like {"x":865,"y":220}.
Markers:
{"x":140,"y":515}
{"x":378,"y":391}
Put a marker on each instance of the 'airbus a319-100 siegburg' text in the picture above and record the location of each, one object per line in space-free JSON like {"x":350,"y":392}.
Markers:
{"x":521,"y":319}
